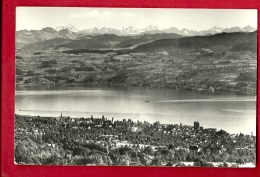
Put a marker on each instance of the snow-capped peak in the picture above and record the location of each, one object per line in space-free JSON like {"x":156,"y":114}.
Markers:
{"x":216,"y":28}
{"x":69,"y":27}
{"x":249,"y":28}
{"x":151,"y":28}
{"x":185,"y":31}
{"x":49,"y":29}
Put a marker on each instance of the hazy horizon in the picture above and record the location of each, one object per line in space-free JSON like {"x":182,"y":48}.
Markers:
{"x":36,"y":18}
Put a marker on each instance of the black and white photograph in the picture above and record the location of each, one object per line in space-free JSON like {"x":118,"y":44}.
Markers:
{"x":136,"y":87}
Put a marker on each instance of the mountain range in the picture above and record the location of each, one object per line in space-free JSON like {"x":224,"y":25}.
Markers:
{"x":170,"y":43}
{"x":100,"y":41}
{"x":65,"y":55}
{"x":152,"y":29}
{"x":25,"y":37}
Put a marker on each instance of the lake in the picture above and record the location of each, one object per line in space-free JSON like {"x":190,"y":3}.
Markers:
{"x":229,"y":111}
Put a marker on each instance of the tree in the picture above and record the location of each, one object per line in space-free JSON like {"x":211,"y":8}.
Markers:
{"x":170,"y":164}
{"x":240,"y":160}
{"x":149,"y":150}
{"x":114,"y":155}
{"x":53,"y":159}
{"x":79,"y":150}
{"x":107,"y":160}
{"x":21,"y":152}
{"x":123,"y":160}
{"x":94,"y":159}
{"x":180,"y":164}
{"x":157,"y":161}
{"x":224,"y":156}
{"x":145,"y":159}
{"x":170,"y":146}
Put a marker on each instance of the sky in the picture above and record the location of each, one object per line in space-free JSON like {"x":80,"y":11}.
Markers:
{"x":84,"y":18}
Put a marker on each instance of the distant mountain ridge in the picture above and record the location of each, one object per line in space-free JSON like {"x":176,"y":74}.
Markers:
{"x":152,"y":29}
{"x":101,"y":41}
{"x":163,"y":42}
{"x":25,"y":37}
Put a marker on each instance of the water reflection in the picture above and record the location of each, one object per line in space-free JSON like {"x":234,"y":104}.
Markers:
{"x":230,"y":111}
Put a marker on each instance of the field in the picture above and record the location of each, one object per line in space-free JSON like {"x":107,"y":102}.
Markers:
{"x":185,"y":69}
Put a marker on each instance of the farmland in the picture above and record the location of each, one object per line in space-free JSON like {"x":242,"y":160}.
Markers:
{"x":185,"y":69}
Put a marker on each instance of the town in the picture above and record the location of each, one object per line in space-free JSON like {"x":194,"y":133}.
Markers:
{"x":103,"y":141}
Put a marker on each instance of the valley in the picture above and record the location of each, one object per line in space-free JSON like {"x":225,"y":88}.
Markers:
{"x":222,"y":62}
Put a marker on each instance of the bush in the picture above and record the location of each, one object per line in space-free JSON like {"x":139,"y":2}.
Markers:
{"x":202,"y":163}
{"x":240,"y":160}
{"x":19,"y":57}
{"x":94,"y":146}
{"x":169,"y":164}
{"x":79,"y":150}
{"x":123,"y":160}
{"x":180,"y":164}
{"x":149,"y":150}
{"x":157,"y":161}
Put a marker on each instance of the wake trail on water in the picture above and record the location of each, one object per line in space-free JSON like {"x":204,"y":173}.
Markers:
{"x":235,"y":110}
{"x":202,"y":100}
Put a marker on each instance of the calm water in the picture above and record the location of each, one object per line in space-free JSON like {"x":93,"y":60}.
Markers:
{"x":229,"y":111}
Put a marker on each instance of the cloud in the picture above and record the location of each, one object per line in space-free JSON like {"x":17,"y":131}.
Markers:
{"x":96,"y":13}
{"x":107,"y":13}
{"x":127,"y":15}
{"x":78,"y":15}
{"x":93,"y":13}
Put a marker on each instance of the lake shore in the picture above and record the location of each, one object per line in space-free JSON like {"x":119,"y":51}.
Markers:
{"x":222,"y":110}
{"x":118,"y":85}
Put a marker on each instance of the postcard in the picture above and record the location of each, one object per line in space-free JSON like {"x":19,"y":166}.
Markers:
{"x":136,"y":87}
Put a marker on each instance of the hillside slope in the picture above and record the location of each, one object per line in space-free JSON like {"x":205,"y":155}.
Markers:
{"x":135,"y":40}
{"x":85,"y":42}
{"x":217,"y":42}
{"x":47,"y":44}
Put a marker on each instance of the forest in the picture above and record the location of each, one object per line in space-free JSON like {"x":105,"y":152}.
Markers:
{"x":100,"y":141}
